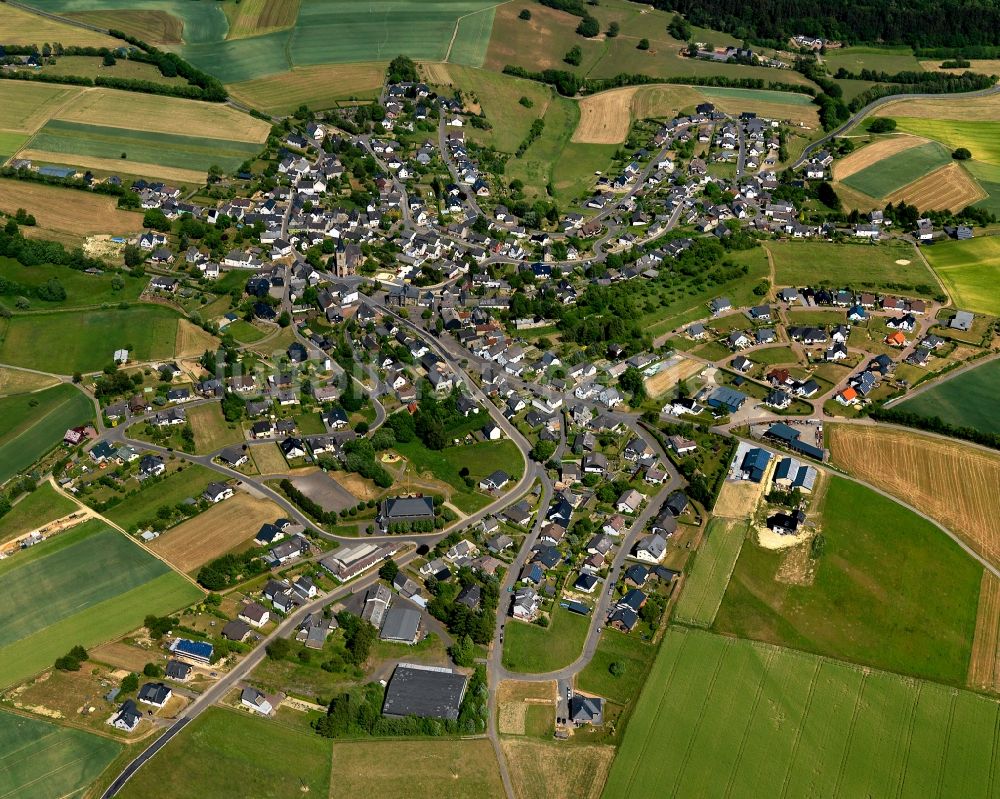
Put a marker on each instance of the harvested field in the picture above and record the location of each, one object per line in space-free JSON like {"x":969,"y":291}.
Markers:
{"x":23,"y":27}
{"x":125,"y":656}
{"x":965,"y":108}
{"x":898,"y":171}
{"x":155,"y":27}
{"x":540,"y":770}
{"x":795,"y":107}
{"x":215,"y":532}
{"x":436,"y":72}
{"x":110,"y":165}
{"x":268,"y":458}
{"x":513,"y":699}
{"x":16,"y":381}
{"x":317,"y":87}
{"x":67,"y":210}
{"x":949,"y":188}
{"x":664,"y":380}
{"x":605,"y":118}
{"x":27,"y":106}
{"x":254,"y":17}
{"x":657,"y":101}
{"x":953,"y":483}
{"x":873,"y":153}
{"x":984,"y":66}
{"x":984,"y":664}
{"x":192,"y":340}
{"x":738,"y":499}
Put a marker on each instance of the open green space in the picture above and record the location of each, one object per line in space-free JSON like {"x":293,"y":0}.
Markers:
{"x":713,"y":565}
{"x":886,"y":176}
{"x":971,"y":271}
{"x":244,"y":332}
{"x":85,"y":341}
{"x":988,"y":177}
{"x":172,"y":489}
{"x":84,"y":587}
{"x":81,"y":289}
{"x":203,"y":22}
{"x":146,"y":147}
{"x":966,"y":400}
{"x":617,"y":647}
{"x":859,"y":266}
{"x":724,"y":717}
{"x":758,"y":95}
{"x":221,"y":754}
{"x":10,"y":143}
{"x":981,"y":138}
{"x":34,"y":423}
{"x":530,"y":648}
{"x":773,"y":355}
{"x":211,"y":430}
{"x":880,"y":59}
{"x":870,"y":601}
{"x":39,"y":760}
{"x":537,"y":166}
{"x":93,"y":67}
{"x":34,"y":510}
{"x":480,"y":459}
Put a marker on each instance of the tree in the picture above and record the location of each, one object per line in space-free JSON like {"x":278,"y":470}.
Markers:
{"x":882,"y":125}
{"x":613,"y":30}
{"x":133,"y":256}
{"x":152,"y":670}
{"x":388,"y":571}
{"x":402,"y":70}
{"x":130,"y":684}
{"x":617,"y":668}
{"x":679,"y":28}
{"x":155,"y":219}
{"x":828,"y":196}
{"x":233,"y":407}
{"x":285,"y":319}
{"x":463,"y":651}
{"x":279,"y":649}
{"x":643,"y":44}
{"x":525,"y":14}
{"x":961,"y":154}
{"x":109,"y":60}
{"x":574,"y":56}
{"x":543,"y":450}
{"x":588,"y":27}
{"x":632,"y":382}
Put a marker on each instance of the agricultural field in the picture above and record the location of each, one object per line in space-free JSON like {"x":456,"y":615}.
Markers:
{"x":949,"y":188}
{"x":979,"y":137}
{"x":317,"y":87}
{"x":93,"y":67}
{"x":35,"y":423}
{"x":230,"y":525}
{"x":867,"y":593}
{"x":633,"y":652}
{"x":438,"y":768}
{"x":544,"y":769}
{"x":713,"y":565}
{"x":965,"y":400}
{"x":23,"y":27}
{"x":84,"y":586}
{"x":222,"y":749}
{"x":34,"y":510}
{"x":85,"y":341}
{"x":18,"y":381}
{"x":814,"y":263}
{"x":194,"y":22}
{"x":529,"y":648}
{"x":27,"y":106}
{"x":64,"y":211}
{"x":39,"y":760}
{"x":211,"y":430}
{"x":155,"y":27}
{"x":722,"y":716}
{"x":186,"y":483}
{"x":971,"y":272}
{"x":879,"y":59}
{"x":254,"y":17}
{"x":984,"y":664}
{"x":82,"y":290}
{"x":891,"y":173}
{"x":951,"y":482}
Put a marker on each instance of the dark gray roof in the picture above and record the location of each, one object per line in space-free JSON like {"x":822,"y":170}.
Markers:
{"x":401,"y":624}
{"x":424,"y":691}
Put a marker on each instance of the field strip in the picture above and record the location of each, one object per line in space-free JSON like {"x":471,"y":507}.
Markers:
{"x":764,"y":674}
{"x":875,"y":152}
{"x":34,"y":422}
{"x":983,"y":661}
{"x":115,"y":166}
{"x":948,"y":188}
{"x":454,"y":32}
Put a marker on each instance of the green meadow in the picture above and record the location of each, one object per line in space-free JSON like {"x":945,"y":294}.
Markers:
{"x":883,"y":178}
{"x":966,"y":400}
{"x":971,"y":271}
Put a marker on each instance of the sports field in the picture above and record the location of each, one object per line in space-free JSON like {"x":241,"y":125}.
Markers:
{"x":706,"y":583}
{"x":889,"y":174}
{"x":34,"y":423}
{"x":36,"y":509}
{"x":175,"y":487}
{"x":949,"y":481}
{"x":966,"y":400}
{"x":220,"y":529}
{"x":724,"y":717}
{"x":84,"y":586}
{"x":39,"y":760}
{"x":66,"y":342}
{"x":805,"y":263}
{"x":219,"y":754}
{"x":971,"y":271}
{"x":869,"y":592}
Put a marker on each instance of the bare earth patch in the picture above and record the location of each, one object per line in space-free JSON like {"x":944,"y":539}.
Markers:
{"x":738,"y":499}
{"x":678,"y":370}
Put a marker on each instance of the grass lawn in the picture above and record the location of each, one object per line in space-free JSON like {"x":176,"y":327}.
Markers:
{"x":720,"y":716}
{"x":175,"y":487}
{"x":713,"y":565}
{"x":81,"y":289}
{"x":480,"y":459}
{"x":244,"y":332}
{"x":34,"y":423}
{"x":774,"y":355}
{"x":40,"y":760}
{"x":618,"y":647}
{"x":822,"y":317}
{"x":220,"y":754}
{"x":861,"y":266}
{"x":884,"y":177}
{"x":967,"y":400}
{"x":529,"y":648}
{"x":85,"y":341}
{"x":868,"y":603}
{"x":211,"y":430}
{"x":85,"y":586}
{"x":971,"y":272}
{"x":36,"y":509}
{"x":310,"y":424}
{"x":434,"y":769}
